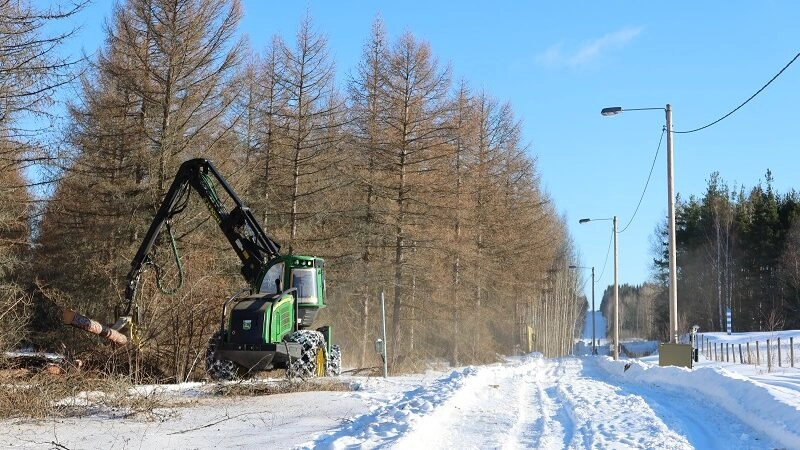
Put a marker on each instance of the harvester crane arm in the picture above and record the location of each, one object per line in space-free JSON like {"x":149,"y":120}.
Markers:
{"x":240,"y":227}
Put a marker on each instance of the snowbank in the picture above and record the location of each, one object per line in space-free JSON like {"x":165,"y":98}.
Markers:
{"x":753,"y":402}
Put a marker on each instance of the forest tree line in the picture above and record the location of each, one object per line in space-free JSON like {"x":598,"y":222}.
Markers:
{"x":406,"y":181}
{"x":737,"y":249}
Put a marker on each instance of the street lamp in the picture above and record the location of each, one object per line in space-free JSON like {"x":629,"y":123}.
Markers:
{"x":673,"y":277}
{"x":594,"y":350}
{"x":616,"y":287}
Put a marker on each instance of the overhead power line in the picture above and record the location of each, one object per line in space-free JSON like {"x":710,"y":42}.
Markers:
{"x":655,"y":157}
{"x":605,"y":262}
{"x":745,"y":102}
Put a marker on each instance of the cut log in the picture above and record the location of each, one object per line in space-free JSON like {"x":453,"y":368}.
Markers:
{"x":87,"y":324}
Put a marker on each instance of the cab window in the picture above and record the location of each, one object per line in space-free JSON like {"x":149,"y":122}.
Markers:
{"x":272,"y":279}
{"x":305,"y":282}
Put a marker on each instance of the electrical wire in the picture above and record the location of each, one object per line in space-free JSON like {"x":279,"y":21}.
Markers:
{"x":605,"y":263}
{"x":663,"y":130}
{"x":646,"y":184}
{"x":661,"y":139}
{"x":743,"y":103}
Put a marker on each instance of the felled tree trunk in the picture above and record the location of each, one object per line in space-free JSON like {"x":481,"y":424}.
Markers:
{"x":87,"y":324}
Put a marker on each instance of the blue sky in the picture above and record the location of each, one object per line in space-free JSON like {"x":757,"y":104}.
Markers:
{"x":559,"y":63}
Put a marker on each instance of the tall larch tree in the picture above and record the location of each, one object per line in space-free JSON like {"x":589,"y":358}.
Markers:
{"x":262,"y":130}
{"x":369,"y":256}
{"x":417,"y":110}
{"x":310,"y":121}
{"x":158,"y":94}
{"x":31,"y":70}
{"x":464,"y":125}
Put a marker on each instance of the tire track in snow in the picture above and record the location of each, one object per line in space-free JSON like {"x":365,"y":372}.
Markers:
{"x":604,"y":416}
{"x":537,"y":403}
{"x":487,"y":410}
{"x":548,"y":424}
{"x":385,"y":424}
{"x":565,"y":409}
{"x":699,"y":420}
{"x":509,"y":406}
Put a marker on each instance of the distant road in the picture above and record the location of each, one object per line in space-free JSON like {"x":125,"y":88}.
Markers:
{"x":599,"y":324}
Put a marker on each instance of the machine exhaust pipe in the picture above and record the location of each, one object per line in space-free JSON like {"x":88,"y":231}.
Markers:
{"x":84,"y":323}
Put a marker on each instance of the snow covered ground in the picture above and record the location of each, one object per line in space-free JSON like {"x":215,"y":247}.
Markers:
{"x":524,"y":402}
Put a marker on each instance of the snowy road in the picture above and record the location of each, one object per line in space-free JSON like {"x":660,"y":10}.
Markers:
{"x":569,"y":403}
{"x":525,"y":402}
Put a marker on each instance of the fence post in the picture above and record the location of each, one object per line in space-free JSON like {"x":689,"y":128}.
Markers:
{"x":715,"y":351}
{"x":758,"y":357}
{"x":741,"y":359}
{"x":749,"y":355}
{"x":733,"y":352}
{"x":779,"y":352}
{"x":769,"y":360}
{"x":791,"y":351}
{"x":727,"y":353}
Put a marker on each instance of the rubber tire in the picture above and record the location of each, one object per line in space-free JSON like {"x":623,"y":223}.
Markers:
{"x":334,"y":366}
{"x":219,"y":369}
{"x":305,"y":366}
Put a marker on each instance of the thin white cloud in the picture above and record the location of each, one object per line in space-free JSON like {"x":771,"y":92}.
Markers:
{"x":591,"y":51}
{"x":552,"y":56}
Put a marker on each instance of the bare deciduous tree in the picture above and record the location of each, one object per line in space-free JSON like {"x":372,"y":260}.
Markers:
{"x":157,"y":95}
{"x":31,"y":69}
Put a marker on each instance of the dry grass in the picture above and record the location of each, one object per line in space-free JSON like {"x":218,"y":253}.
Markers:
{"x":259,"y":388}
{"x":33,"y":387}
{"x":43,"y":395}
{"x":32,"y":394}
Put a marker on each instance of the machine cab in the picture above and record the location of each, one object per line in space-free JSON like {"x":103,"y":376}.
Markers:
{"x":304,"y":273}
